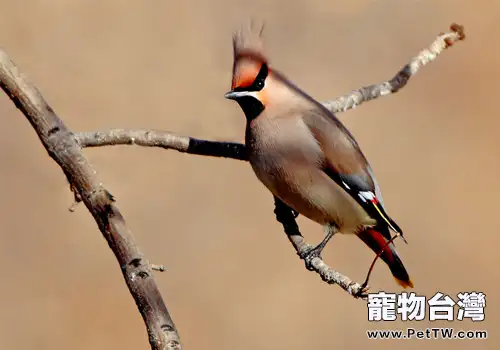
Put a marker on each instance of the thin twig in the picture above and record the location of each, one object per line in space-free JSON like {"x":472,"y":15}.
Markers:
{"x":64,"y":149}
{"x":167,"y":140}
{"x":424,"y":57}
{"x":286,"y":217}
{"x":159,"y":268}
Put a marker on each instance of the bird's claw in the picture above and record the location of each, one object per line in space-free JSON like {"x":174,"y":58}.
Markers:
{"x":362,"y":292}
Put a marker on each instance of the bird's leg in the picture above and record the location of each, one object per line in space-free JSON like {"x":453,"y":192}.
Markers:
{"x":315,"y":252}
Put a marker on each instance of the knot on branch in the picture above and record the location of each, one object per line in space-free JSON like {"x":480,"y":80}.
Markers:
{"x":137,"y":267}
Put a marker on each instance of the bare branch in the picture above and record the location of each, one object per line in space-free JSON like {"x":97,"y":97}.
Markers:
{"x":163,"y":139}
{"x":65,"y":151}
{"x":371,"y":92}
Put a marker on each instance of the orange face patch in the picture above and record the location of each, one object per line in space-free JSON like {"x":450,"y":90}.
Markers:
{"x":242,"y":80}
{"x":245,"y":71}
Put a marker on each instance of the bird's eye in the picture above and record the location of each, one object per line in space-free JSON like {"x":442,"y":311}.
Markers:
{"x":259,"y":84}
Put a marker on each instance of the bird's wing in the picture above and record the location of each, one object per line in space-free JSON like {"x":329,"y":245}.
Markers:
{"x":345,"y":163}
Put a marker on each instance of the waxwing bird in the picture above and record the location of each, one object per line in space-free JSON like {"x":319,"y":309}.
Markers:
{"x":306,"y":157}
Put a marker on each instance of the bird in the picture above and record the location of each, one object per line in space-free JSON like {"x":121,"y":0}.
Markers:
{"x":303,"y":154}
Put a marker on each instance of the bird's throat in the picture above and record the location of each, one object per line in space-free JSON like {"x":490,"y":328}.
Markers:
{"x":251,"y":107}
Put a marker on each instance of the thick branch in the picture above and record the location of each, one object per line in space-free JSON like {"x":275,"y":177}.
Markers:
{"x":65,"y":151}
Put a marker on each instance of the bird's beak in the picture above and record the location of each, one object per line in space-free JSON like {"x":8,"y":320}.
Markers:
{"x":234,"y":95}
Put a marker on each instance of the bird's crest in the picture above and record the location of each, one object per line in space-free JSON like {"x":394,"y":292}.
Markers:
{"x":248,"y":41}
{"x":249,"y":55}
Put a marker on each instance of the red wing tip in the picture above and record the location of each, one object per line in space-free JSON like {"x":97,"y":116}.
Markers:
{"x":404,"y":284}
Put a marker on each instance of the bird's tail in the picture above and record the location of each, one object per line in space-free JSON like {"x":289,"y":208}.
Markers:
{"x":376,"y":241}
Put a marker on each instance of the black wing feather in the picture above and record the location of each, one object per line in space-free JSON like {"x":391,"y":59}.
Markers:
{"x":360,"y":191}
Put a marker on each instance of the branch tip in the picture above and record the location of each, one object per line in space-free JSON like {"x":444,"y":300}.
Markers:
{"x":73,"y":206}
{"x":459,"y":29}
{"x":159,"y":268}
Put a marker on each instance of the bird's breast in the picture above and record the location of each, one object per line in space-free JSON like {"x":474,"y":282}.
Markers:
{"x":284,"y":154}
{"x":287,"y":159}
{"x":281,"y":146}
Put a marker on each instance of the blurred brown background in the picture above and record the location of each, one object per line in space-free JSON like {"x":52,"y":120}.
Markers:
{"x":233,"y":280}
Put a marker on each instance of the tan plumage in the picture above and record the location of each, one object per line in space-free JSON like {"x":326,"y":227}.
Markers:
{"x":304,"y":155}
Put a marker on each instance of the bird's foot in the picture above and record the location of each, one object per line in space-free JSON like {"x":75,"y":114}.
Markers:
{"x":315,"y":252}
{"x":311,"y":254}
